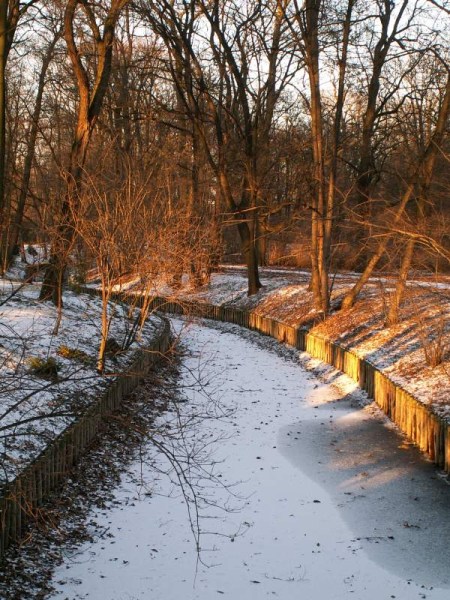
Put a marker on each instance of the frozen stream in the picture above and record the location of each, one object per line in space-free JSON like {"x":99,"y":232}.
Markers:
{"x":320,"y":500}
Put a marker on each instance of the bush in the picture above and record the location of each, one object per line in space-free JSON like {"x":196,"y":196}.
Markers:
{"x":434,"y":342}
{"x":74,"y":354}
{"x":46,"y":368}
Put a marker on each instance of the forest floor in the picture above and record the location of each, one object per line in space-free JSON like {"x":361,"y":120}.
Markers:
{"x":403,"y":352}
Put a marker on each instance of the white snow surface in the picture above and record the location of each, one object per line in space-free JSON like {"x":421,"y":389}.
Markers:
{"x":34,"y":410}
{"x":305,"y":494}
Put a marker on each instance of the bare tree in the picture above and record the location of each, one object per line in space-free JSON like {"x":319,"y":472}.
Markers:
{"x":421,"y":178}
{"x":91,"y":90}
{"x":18,"y":215}
{"x":10,"y":14}
{"x":236,"y":101}
{"x":308,"y":36}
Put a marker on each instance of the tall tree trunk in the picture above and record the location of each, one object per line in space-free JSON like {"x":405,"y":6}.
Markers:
{"x":63,"y":243}
{"x":3,"y":58}
{"x":262,"y":233}
{"x":91,"y":96}
{"x":397,"y":297}
{"x":336,"y":138}
{"x":194,"y":211}
{"x":246,"y":230}
{"x":319,"y":243}
{"x":422,"y":210}
{"x":28,"y":163}
{"x":10,"y":13}
{"x":247,"y":235}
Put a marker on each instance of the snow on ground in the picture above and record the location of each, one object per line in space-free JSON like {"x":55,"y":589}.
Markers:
{"x":301,"y":492}
{"x":399,"y":350}
{"x":35,"y":408}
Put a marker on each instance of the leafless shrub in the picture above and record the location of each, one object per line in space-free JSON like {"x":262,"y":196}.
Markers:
{"x":47,"y":368}
{"x":433,"y":340}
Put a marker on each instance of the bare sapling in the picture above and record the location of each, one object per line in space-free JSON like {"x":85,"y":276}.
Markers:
{"x":110,"y":226}
{"x":433,"y":339}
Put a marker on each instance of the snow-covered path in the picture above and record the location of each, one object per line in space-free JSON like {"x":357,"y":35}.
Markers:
{"x":319,"y":499}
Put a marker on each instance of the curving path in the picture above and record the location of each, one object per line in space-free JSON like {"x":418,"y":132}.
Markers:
{"x":300,"y":493}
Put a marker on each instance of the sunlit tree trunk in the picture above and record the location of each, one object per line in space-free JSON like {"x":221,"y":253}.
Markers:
{"x":336,"y":134}
{"x":3,"y":58}
{"x":397,"y":297}
{"x":91,"y":96}
{"x":309,"y":23}
{"x":408,"y":255}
